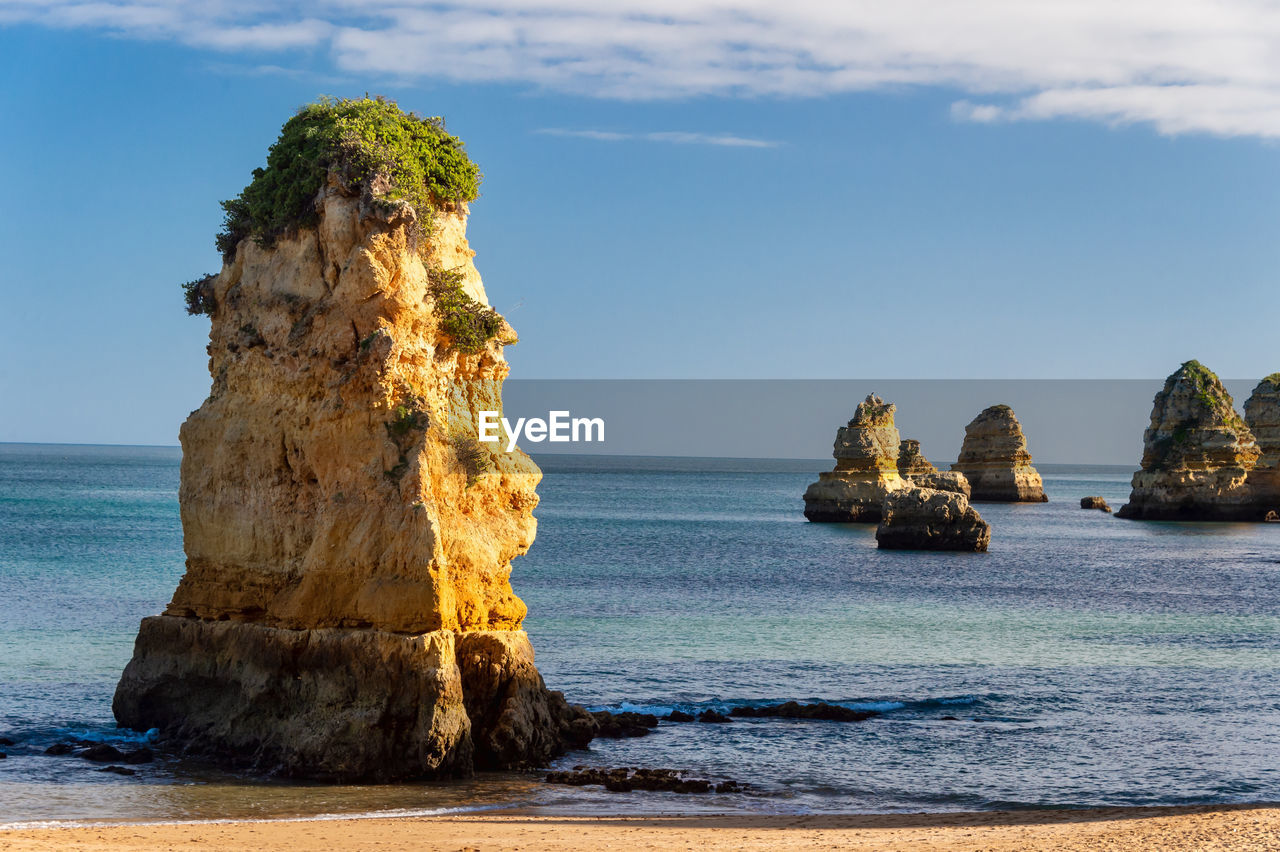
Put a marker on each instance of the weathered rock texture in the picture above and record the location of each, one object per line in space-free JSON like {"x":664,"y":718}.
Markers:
{"x":346,"y":610}
{"x":995,"y":460}
{"x":1095,"y":503}
{"x":1262,"y":415}
{"x":911,"y":462}
{"x":924,"y":519}
{"x":913,"y":466}
{"x":1197,"y":454}
{"x":866,"y":453}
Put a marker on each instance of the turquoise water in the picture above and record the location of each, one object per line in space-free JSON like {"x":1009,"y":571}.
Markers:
{"x":1087,"y":660}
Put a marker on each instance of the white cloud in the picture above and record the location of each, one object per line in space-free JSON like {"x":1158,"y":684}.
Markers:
{"x":1181,"y":65}
{"x":678,"y":137}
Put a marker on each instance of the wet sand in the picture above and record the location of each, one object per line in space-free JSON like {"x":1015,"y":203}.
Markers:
{"x":1155,"y":829}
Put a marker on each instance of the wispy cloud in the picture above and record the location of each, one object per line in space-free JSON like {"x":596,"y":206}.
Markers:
{"x":1180,"y":65}
{"x":677,"y":137}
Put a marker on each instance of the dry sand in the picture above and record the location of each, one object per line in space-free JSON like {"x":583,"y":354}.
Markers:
{"x":1194,"y":828}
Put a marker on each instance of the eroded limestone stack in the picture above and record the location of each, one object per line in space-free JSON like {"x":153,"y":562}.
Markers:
{"x":1262,"y":415}
{"x":346,"y":610}
{"x":995,"y":460}
{"x":1197,"y":454}
{"x":912,"y":465}
{"x":866,"y":453}
{"x":911,"y":462}
{"x":925,"y":519}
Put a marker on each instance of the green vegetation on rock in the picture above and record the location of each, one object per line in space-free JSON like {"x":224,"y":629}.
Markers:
{"x":198,"y":294}
{"x":371,"y":144}
{"x":473,"y":457}
{"x":468,"y":324}
{"x":1210,"y":393}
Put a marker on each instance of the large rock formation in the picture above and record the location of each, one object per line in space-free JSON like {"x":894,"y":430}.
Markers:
{"x":912,"y":465}
{"x":924,"y":519}
{"x":866,"y":453}
{"x":1262,"y":415}
{"x":995,"y":460}
{"x":346,"y":610}
{"x":1197,"y":454}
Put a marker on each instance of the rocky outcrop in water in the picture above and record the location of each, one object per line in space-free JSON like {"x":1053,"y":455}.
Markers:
{"x":1095,"y":503}
{"x":1262,"y":415}
{"x":923,"y":519}
{"x":866,"y":453}
{"x":995,"y":460}
{"x":1197,"y":454}
{"x":346,"y":610}
{"x":911,"y":462}
{"x":913,"y":466}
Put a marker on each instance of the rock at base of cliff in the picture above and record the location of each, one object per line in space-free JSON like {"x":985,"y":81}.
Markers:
{"x":1095,"y":503}
{"x":516,"y":722}
{"x":305,"y":702}
{"x":924,"y":519}
{"x":837,"y":498}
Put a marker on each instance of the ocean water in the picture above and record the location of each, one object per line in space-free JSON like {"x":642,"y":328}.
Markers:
{"x":1087,"y":660}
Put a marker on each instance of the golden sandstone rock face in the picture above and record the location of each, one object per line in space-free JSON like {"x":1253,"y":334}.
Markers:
{"x":995,"y":460}
{"x":912,"y":465}
{"x":866,"y":453}
{"x":1198,"y":454}
{"x":346,"y":610}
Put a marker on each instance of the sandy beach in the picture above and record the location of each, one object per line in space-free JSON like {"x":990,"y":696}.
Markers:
{"x":1191,"y":828}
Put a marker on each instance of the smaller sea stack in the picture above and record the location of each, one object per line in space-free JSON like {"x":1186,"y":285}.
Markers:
{"x":913,"y":466}
{"x":924,"y":519}
{"x":1262,"y":415}
{"x":1197,"y":454}
{"x":866,"y":454}
{"x":995,"y":460}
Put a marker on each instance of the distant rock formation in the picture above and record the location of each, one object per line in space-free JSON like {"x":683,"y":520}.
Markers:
{"x":346,"y":611}
{"x":1197,"y":454}
{"x":1095,"y":503}
{"x":924,"y":519}
{"x":866,"y":453}
{"x":1262,"y":415}
{"x":912,"y":465}
{"x":995,"y":460}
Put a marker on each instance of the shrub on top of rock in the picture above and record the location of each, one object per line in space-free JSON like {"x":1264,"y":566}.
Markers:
{"x":371,"y":145}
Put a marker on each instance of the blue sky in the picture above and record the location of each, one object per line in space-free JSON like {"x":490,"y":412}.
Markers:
{"x":1012,"y":205}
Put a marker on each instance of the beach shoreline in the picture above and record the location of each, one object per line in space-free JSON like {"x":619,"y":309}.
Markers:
{"x":1198,"y":827}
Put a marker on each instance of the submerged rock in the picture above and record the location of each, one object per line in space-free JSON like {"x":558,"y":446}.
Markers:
{"x":923,"y":519}
{"x":866,"y":453}
{"x":119,"y":770}
{"x":1197,"y":454}
{"x":680,"y":716}
{"x":620,"y":725}
{"x":995,"y":460}
{"x":1094,"y":503}
{"x":715,"y":717}
{"x":795,"y":710}
{"x":626,"y":779}
{"x":346,"y":610}
{"x":102,"y":753}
